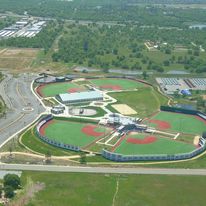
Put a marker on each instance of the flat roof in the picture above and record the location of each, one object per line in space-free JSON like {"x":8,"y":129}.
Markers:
{"x":80,"y":96}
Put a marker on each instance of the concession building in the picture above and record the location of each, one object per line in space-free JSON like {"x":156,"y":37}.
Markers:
{"x":79,"y":97}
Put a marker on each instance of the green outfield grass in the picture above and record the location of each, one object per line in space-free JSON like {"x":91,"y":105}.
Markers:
{"x":145,"y":101}
{"x":125,"y":84}
{"x":51,"y":90}
{"x":31,"y":141}
{"x":80,"y":189}
{"x":70,"y":132}
{"x":162,"y":145}
{"x":181,"y":122}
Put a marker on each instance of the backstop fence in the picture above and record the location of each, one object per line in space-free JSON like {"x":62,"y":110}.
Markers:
{"x":183,"y":111}
{"x":162,"y":157}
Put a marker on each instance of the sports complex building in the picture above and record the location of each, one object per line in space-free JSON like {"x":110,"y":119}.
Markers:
{"x":79,"y":97}
{"x":169,"y":133}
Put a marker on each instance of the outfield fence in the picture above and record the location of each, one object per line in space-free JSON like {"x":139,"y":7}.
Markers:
{"x":41,"y":123}
{"x":183,"y":111}
{"x":162,"y":157}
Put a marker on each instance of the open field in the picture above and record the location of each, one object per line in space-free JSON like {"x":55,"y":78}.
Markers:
{"x":116,"y":84}
{"x":134,"y":144}
{"x":17,"y":59}
{"x":73,"y":133}
{"x":51,"y":90}
{"x":145,"y":101}
{"x":182,"y":123}
{"x":94,"y":189}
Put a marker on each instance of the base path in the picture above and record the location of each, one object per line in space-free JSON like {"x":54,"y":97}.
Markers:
{"x":146,"y":140}
{"x":90,"y":131}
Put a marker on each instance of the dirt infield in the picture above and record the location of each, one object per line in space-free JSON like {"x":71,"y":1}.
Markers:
{"x":73,"y":90}
{"x":146,"y":140}
{"x":111,"y":87}
{"x":124,"y":109}
{"x":90,"y":131}
{"x":162,"y":125}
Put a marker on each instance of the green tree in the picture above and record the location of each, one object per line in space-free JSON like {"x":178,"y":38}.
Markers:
{"x":144,"y":74}
{"x":9,"y":191}
{"x":48,"y":157}
{"x":12,"y":180}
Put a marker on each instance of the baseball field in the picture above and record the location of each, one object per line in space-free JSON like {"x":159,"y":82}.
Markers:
{"x":116,"y":84}
{"x":134,"y":144}
{"x":177,"y":122}
{"x":73,"y":133}
{"x":52,"y":89}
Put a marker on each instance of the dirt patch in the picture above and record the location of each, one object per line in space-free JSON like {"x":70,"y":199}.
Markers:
{"x":162,"y":125}
{"x":196,"y":140}
{"x":30,"y":191}
{"x":83,"y":112}
{"x":20,"y":52}
{"x":73,"y":90}
{"x":204,"y":97}
{"x":90,"y":131}
{"x":111,"y":87}
{"x":124,"y":109}
{"x":17,"y":59}
{"x":146,"y":140}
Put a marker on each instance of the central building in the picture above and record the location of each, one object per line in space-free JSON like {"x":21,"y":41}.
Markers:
{"x":80,"y":97}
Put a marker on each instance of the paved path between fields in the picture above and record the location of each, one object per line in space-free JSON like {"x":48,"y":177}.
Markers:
{"x":151,"y":171}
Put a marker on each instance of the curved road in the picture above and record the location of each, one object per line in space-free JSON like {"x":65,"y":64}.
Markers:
{"x":17,"y":95}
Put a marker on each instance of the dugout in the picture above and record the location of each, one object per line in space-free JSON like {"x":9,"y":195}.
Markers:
{"x":204,"y":135}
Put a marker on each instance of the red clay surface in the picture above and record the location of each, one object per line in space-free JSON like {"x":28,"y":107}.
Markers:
{"x":162,"y":125}
{"x":42,"y":129}
{"x":90,"y":131}
{"x":111,"y":86}
{"x":39,"y":90}
{"x":73,"y":90}
{"x":146,"y":140}
{"x":200,"y":119}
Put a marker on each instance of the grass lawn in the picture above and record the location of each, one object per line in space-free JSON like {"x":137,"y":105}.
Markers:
{"x":124,"y":84}
{"x":80,"y":189}
{"x":70,"y":132}
{"x":182,"y":123}
{"x":145,"y":101}
{"x":51,"y":90}
{"x":162,"y":145}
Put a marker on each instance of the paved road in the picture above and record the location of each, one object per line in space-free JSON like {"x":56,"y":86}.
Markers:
{"x":150,"y":171}
{"x":17,"y":95}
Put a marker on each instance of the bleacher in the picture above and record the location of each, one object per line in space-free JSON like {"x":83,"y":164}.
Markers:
{"x":170,"y":81}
